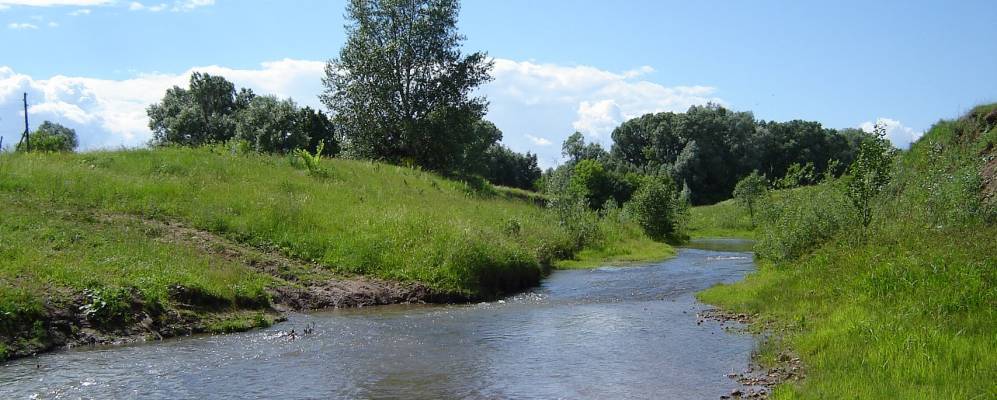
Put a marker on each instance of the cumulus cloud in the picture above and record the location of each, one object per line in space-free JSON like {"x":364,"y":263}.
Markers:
{"x":901,"y":136}
{"x":178,"y":6}
{"x":553,"y":101}
{"x":536,"y":105}
{"x":111,"y":113}
{"x":539,"y":141}
{"x":21,"y":26}
{"x":601,"y":99}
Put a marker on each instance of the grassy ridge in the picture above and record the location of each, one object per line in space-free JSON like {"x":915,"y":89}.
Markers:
{"x":905,"y":309}
{"x":724,"y":219}
{"x":52,"y":258}
{"x":62,"y":243}
{"x":365,"y":218}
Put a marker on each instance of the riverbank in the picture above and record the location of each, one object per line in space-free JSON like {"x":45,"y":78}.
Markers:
{"x":902,"y":309}
{"x":633,"y":330}
{"x":145,"y":243}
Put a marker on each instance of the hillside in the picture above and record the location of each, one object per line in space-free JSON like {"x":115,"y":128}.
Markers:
{"x":98,"y":246}
{"x":904,"y":309}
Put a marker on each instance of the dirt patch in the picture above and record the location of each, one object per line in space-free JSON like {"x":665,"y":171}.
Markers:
{"x":759,"y":381}
{"x":988,"y":175}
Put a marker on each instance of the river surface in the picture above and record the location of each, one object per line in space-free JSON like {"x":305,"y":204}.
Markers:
{"x":608,"y":333}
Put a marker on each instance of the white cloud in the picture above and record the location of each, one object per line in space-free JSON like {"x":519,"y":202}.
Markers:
{"x":82,"y":11}
{"x":136,"y":6}
{"x":178,"y":6}
{"x":111,"y":113}
{"x":175,"y":5}
{"x":901,"y":136}
{"x":539,"y":141}
{"x":187,"y":5}
{"x":535,"y":105}
{"x":552,"y":101}
{"x":53,"y":24}
{"x":51,"y":3}
{"x":601,"y":99}
{"x":21,"y":26}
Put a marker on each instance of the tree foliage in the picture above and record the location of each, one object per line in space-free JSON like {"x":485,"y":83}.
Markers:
{"x":51,"y":137}
{"x":750,"y":190}
{"x":709,"y":148}
{"x":201,"y":114}
{"x":505,"y":167}
{"x":655,"y":207}
{"x":869,"y":173}
{"x":210,"y":110}
{"x":402,"y":90}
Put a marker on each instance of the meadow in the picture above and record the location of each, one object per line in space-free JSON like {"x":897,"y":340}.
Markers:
{"x":73,"y":226}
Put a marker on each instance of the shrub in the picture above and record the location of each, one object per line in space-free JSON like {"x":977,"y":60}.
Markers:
{"x":869,"y":173}
{"x":654,"y":207}
{"x":313,"y":161}
{"x":749,"y":191}
{"x":51,"y":137}
{"x":802,"y":219}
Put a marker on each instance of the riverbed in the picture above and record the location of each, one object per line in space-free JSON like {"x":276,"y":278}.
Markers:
{"x":620,"y":332}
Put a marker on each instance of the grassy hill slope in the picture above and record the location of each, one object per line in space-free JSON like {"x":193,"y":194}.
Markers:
{"x":78,"y":224}
{"x":905,"y":309}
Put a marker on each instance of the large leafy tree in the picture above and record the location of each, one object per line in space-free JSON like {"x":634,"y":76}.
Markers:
{"x":51,"y":137}
{"x":202,"y":113}
{"x":401,"y":90}
{"x":271,"y":125}
{"x":210,"y":110}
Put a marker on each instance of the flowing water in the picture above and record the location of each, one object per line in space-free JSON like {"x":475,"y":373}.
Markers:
{"x":611,"y":332}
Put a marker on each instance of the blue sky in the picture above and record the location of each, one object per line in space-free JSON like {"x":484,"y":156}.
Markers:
{"x":561,"y":66}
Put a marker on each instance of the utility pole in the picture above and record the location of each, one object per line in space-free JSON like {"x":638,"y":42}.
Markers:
{"x":27,"y":136}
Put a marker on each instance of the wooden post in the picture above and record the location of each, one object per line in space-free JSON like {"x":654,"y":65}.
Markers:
{"x":27,"y":135}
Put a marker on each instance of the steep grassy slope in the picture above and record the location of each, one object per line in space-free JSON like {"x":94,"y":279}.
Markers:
{"x":905,"y":309}
{"x":72,"y":225}
{"x":724,"y":219}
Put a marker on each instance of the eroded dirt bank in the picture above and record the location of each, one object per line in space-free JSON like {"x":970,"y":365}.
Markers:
{"x":67,"y":319}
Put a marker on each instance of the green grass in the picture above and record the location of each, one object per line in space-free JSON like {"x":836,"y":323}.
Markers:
{"x":363,"y":218}
{"x":51,"y":255}
{"x":907,"y":309}
{"x":618,"y":253}
{"x":75,"y":226}
{"x":724,"y":219}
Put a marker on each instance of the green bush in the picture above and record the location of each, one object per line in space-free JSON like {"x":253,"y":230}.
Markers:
{"x":654,"y":206}
{"x":802,"y":219}
{"x":750,"y":190}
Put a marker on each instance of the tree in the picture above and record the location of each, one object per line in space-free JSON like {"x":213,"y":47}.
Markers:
{"x":869,"y":173}
{"x":401,"y":90}
{"x":749,"y":191}
{"x":320,"y":130}
{"x":575,"y":148}
{"x":591,"y":181}
{"x":203,"y":113}
{"x":271,"y":125}
{"x":655,"y":206}
{"x":503,"y":166}
{"x":51,"y":137}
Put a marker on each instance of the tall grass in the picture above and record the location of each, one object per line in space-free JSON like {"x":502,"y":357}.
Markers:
{"x":724,"y":219}
{"x":358,"y":218}
{"x":904,"y":309}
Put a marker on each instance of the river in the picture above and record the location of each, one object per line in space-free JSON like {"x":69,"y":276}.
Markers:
{"x":608,"y":333}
